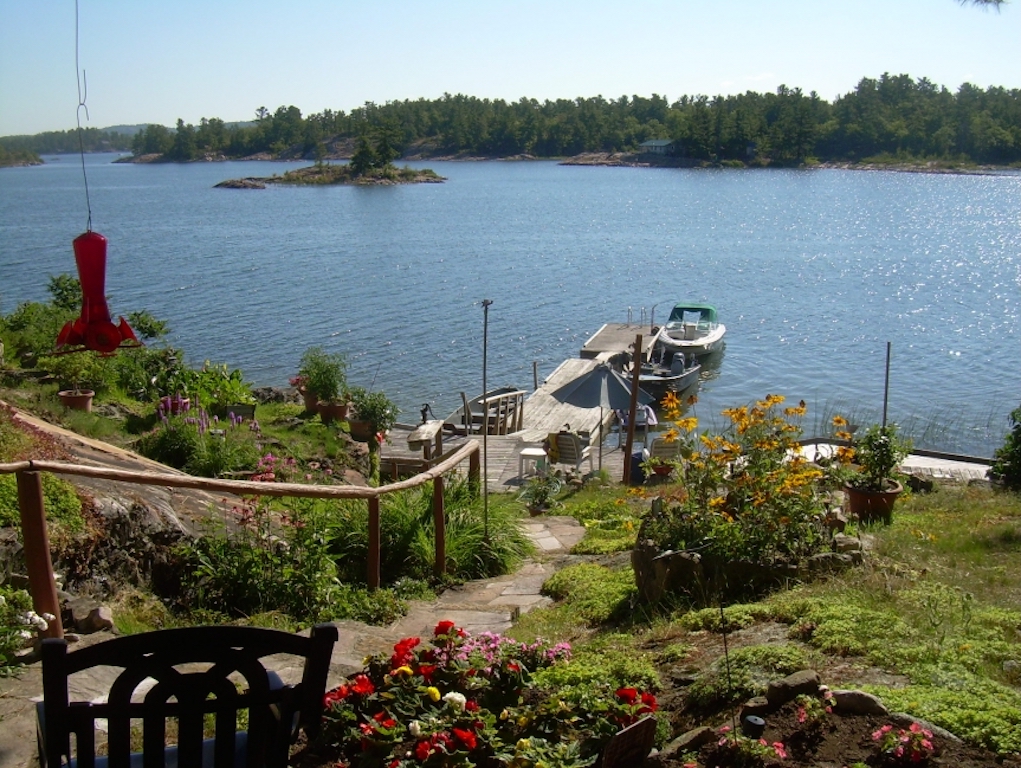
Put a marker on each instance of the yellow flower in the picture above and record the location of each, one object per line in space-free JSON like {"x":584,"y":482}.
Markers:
{"x":796,"y":410}
{"x":434,"y":693}
{"x":671,"y":435}
{"x":839,"y":421}
{"x":405,"y":670}
{"x":845,"y":455}
{"x":688,"y":423}
{"x":671,"y":400}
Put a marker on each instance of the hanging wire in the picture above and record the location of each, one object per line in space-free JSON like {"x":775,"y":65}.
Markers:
{"x":83,"y":87}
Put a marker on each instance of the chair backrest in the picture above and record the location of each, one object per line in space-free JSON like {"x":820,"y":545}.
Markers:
{"x":185,"y":674}
{"x":569,"y":448}
{"x":661,"y":448}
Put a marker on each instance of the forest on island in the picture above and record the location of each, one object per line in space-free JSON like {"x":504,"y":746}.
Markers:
{"x":893,"y":117}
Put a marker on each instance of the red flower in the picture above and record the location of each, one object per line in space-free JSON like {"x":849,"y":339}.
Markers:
{"x":443,"y":628}
{"x":384,"y":720}
{"x":402,"y":652}
{"x":335,"y":696}
{"x":627,"y":695}
{"x":471,"y":706}
{"x":423,"y":749}
{"x":466,"y":737}
{"x":650,"y":703}
{"x":362,"y":686}
{"x":513,"y":666}
{"x":426,"y":671}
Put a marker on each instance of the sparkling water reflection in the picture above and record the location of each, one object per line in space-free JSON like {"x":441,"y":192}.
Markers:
{"x":812,"y":271}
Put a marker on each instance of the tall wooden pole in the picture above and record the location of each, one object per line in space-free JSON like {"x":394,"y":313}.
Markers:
{"x":41,"y":582}
{"x":440,"y":528}
{"x":375,"y":554}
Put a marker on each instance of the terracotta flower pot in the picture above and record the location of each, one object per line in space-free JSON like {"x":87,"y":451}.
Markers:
{"x":361,"y":430}
{"x":77,"y":399}
{"x":330,"y":412}
{"x":870,"y":506}
{"x":311,"y":401}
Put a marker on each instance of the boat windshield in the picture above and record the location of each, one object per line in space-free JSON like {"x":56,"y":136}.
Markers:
{"x":701,"y":315}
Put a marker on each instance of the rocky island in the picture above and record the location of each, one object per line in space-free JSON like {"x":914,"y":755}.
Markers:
{"x":339,"y":174}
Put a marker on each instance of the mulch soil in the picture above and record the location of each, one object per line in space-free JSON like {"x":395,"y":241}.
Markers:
{"x":841,"y":740}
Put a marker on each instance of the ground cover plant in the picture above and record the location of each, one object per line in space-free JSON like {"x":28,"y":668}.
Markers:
{"x":931,"y":624}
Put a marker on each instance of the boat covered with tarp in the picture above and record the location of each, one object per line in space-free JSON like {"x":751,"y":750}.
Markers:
{"x":691,"y":329}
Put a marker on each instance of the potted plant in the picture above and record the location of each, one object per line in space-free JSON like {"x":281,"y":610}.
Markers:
{"x":374,"y":414}
{"x":325,"y":377}
{"x":540,"y":493}
{"x":657,"y":465}
{"x":73,"y":370}
{"x":300,"y":383}
{"x":872,"y":491}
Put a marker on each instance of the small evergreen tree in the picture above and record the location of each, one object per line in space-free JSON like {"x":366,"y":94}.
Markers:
{"x":1007,"y":467}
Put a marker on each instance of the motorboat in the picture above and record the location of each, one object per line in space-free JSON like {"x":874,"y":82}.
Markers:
{"x":499,"y":411}
{"x":672,"y":371}
{"x":691,"y":329}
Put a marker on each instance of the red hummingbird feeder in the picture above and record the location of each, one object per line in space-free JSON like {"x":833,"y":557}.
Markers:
{"x":94,"y":329}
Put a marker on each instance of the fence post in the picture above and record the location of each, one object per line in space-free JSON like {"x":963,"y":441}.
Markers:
{"x":372,"y":577}
{"x":41,"y":583}
{"x":474,"y":469}
{"x":440,"y":526}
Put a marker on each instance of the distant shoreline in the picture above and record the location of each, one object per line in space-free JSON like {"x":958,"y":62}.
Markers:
{"x":607,"y":159}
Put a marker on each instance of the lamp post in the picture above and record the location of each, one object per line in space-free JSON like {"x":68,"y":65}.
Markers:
{"x":485,"y":420}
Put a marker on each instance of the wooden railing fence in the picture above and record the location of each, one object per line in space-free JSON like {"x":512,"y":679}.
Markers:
{"x":42,"y":584}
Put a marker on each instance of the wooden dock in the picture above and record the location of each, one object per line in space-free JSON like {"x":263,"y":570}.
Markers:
{"x":543,"y":414}
{"x":614,"y":338}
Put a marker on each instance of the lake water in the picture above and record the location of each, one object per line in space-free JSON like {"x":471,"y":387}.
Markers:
{"x":812,"y":272}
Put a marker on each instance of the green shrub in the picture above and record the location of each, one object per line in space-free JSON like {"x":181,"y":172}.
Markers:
{"x":199,"y":446}
{"x":407,"y":534}
{"x":744,"y":498}
{"x":1007,"y":465}
{"x":17,"y":627}
{"x":173,"y":442}
{"x":60,"y":500}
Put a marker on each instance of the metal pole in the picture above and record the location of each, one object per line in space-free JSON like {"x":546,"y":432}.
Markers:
{"x":886,"y":385}
{"x":485,"y":420}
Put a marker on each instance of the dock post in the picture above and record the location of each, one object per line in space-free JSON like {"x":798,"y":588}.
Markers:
{"x":372,"y":577}
{"x":440,"y":527}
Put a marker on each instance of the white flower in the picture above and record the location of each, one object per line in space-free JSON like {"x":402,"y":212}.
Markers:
{"x":455,"y":700}
{"x":24,"y":634}
{"x":49,"y":617}
{"x":3,"y":600}
{"x":415,"y":728}
{"x":33,"y":619}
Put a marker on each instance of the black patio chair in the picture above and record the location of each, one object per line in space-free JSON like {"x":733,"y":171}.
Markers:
{"x":199,"y":676}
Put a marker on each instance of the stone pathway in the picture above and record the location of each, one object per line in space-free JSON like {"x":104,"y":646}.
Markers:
{"x":478,"y":606}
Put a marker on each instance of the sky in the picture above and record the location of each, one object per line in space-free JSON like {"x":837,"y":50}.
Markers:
{"x":155,"y":62}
